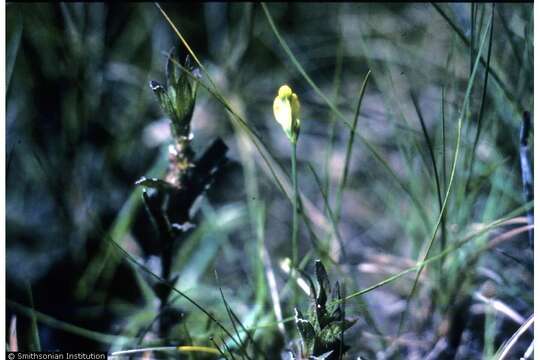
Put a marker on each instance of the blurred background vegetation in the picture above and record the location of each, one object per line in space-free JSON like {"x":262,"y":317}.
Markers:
{"x":82,"y":126}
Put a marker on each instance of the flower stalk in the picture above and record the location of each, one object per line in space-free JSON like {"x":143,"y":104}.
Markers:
{"x":287,"y":113}
{"x":294,"y":236}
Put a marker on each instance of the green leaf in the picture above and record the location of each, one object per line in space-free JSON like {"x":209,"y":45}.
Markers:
{"x":177,"y":100}
{"x":324,"y":289}
{"x":334,"y":308}
{"x":163,"y":98}
{"x":170,"y":69}
{"x":330,"y":333}
{"x":322,"y":277}
{"x":306,"y":331}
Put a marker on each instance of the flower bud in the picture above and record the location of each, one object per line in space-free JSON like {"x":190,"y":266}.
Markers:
{"x":287,"y":112}
{"x":177,"y":100}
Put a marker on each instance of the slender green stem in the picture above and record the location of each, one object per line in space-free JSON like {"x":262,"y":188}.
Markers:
{"x":442,"y":278}
{"x":444,"y":166}
{"x":294,"y":236}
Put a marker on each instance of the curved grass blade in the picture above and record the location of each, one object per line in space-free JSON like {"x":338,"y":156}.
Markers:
{"x":181,"y":349}
{"x":228,"y":349}
{"x":482,"y":104}
{"x":231,"y":318}
{"x":52,"y":322}
{"x":165,"y":283}
{"x":218,"y":349}
{"x":348,"y":155}
{"x":12,"y":51}
{"x":503,"y":352}
{"x":234,"y":319}
{"x":429,"y":145}
{"x":511,"y":40}
{"x":450,"y":249}
{"x":517,"y":107}
{"x":35,"y":344}
{"x":451,"y":180}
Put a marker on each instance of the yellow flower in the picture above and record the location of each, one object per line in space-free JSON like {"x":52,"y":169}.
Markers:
{"x":287,"y":112}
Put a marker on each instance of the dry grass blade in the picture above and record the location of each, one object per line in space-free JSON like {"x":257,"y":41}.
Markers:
{"x":507,"y":347}
{"x":13,"y":343}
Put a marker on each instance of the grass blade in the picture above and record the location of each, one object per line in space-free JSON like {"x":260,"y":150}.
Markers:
{"x":451,"y":180}
{"x":482,"y":104}
{"x":231,"y":317}
{"x":52,"y":322}
{"x":34,"y":344}
{"x":343,"y":183}
{"x":517,"y":107}
{"x":507,"y":347}
{"x":429,"y":146}
{"x":12,"y":51}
